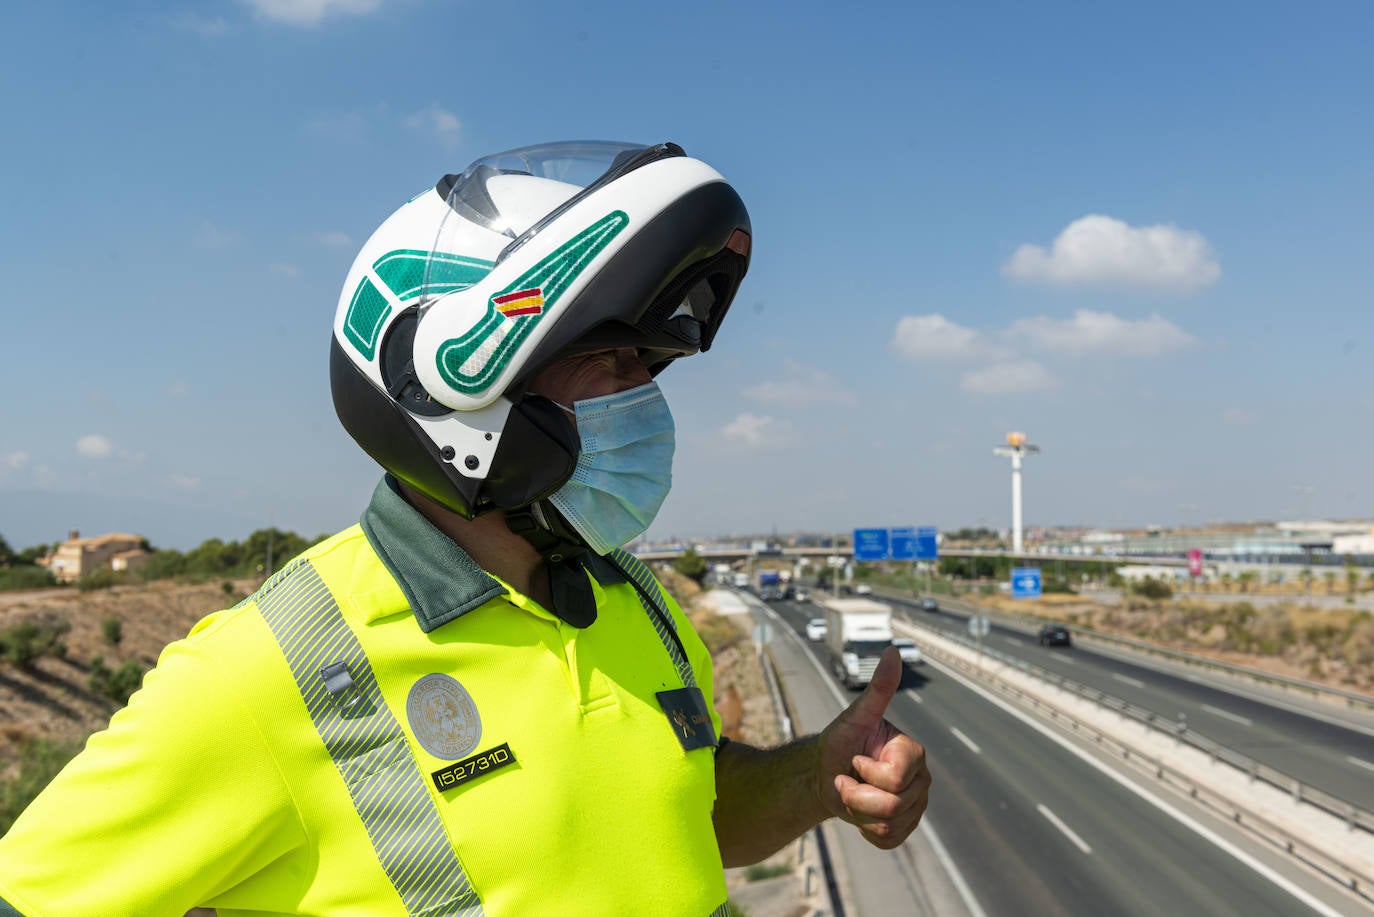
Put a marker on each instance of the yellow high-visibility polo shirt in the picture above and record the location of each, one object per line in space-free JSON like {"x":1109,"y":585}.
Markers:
{"x":384,"y":729}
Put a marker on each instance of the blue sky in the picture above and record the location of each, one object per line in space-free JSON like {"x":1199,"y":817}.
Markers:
{"x":1138,"y":232}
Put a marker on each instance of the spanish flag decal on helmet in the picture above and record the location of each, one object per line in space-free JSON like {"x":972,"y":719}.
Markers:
{"x":521,"y":302}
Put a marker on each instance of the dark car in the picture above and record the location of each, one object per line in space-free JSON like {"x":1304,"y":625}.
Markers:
{"x":929,"y":605}
{"x":1055,"y":635}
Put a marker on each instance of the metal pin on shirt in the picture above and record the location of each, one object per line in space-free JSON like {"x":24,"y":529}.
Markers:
{"x":338,"y":681}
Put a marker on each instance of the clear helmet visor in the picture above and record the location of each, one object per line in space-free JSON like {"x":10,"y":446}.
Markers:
{"x":501,"y":200}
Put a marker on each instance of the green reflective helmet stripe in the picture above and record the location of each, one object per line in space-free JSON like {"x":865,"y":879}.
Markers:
{"x":367,"y":313}
{"x":471,"y":362}
{"x":368,"y":747}
{"x":402,"y":272}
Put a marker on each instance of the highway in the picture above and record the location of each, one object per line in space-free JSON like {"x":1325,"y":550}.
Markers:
{"x":1329,"y":756}
{"x":1036,"y":827}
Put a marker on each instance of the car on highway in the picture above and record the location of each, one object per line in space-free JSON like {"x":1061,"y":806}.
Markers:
{"x":1055,"y":635}
{"x":910,"y":652}
{"x":803,"y":595}
{"x":863,"y":589}
{"x":815,"y":630}
{"x":929,"y":605}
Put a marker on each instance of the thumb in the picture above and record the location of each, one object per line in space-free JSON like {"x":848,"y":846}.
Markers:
{"x":868,"y":708}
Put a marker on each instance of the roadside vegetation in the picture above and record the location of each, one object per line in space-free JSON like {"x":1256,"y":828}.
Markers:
{"x":257,"y":555}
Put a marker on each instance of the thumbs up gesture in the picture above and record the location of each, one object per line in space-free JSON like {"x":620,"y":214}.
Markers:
{"x":872,"y":774}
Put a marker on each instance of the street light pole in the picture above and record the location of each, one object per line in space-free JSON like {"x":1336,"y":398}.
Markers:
{"x":1016,"y":448}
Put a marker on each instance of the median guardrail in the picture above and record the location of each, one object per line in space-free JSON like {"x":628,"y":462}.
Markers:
{"x":1355,"y":818}
{"x":1351,"y":699}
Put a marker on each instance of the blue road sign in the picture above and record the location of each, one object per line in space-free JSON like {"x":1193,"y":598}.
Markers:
{"x":903,"y":544}
{"x":870,"y":544}
{"x":927,"y":547}
{"x":1025,"y":582}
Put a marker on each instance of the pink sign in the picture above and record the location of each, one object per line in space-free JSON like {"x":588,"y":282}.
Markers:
{"x":1195,"y":562}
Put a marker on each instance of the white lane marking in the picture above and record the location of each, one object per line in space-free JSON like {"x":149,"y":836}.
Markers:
{"x":955,"y":876}
{"x":914,"y":696}
{"x":1068,"y":832}
{"x":1226,"y":714}
{"x":1014,"y":640}
{"x":972,"y":745}
{"x":1126,"y":679}
{"x":1358,"y":762}
{"x":1185,"y":820}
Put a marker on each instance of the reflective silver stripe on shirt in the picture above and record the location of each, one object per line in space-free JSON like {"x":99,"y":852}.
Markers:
{"x":369,"y":749}
{"x":723,"y":911}
{"x":661,"y":618}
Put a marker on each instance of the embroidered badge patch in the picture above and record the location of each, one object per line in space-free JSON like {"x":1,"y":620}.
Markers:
{"x":691,"y":720}
{"x":443,"y":716}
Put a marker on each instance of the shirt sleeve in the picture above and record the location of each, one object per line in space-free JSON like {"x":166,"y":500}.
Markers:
{"x":178,"y":800}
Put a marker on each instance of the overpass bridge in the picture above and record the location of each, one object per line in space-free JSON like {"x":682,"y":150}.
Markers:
{"x":735,"y":554}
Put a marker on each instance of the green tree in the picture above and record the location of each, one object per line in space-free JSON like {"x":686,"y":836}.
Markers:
{"x":112,"y":630}
{"x":1151,"y":588}
{"x":1329,"y":577}
{"x":691,"y":565}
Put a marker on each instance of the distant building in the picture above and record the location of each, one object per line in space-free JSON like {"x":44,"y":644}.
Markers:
{"x":77,"y":556}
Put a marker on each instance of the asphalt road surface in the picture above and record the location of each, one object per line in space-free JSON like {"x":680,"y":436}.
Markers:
{"x":1332,"y":757}
{"x":1034,"y":827}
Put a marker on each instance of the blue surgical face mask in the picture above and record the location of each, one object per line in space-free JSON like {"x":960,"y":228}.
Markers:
{"x":624,"y":469}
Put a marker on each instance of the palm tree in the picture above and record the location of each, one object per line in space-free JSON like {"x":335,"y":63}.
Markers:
{"x":1306,"y":577}
{"x":1330,"y":577}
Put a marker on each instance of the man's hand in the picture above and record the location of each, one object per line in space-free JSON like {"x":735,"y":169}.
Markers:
{"x":872,"y":775}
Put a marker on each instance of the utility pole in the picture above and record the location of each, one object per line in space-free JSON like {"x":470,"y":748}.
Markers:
{"x":1016,"y":448}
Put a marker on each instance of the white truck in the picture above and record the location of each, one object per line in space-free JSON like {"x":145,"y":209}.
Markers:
{"x":856,"y":633}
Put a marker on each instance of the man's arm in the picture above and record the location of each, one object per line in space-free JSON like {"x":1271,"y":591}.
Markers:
{"x":861,"y":769}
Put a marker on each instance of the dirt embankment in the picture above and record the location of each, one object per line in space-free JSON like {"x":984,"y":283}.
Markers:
{"x":52,"y":699}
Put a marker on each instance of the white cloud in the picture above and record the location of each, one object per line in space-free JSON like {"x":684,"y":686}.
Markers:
{"x":440,"y":122}
{"x":178,"y":388}
{"x":1014,"y":378}
{"x":1100,"y":250}
{"x":185,"y":482}
{"x":1239,"y":417}
{"x":936,"y":337}
{"x":289,"y":271}
{"x":17,"y":461}
{"x":1102,"y":332}
{"x":757,"y":432}
{"x":94,"y":446}
{"x":309,"y":12}
{"x":334,"y":239}
{"x":803,"y":387}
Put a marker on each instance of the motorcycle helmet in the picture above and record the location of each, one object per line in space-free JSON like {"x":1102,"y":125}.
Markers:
{"x":471,"y":288}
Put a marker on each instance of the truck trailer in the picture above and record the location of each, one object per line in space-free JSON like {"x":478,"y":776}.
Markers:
{"x":856,"y":633}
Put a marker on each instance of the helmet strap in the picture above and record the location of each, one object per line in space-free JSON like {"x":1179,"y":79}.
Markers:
{"x":564,"y":556}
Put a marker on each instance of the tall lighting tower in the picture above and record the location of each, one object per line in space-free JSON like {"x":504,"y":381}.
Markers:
{"x":1016,"y":447}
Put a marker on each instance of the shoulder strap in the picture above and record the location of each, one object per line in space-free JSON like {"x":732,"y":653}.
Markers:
{"x":651,"y":597}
